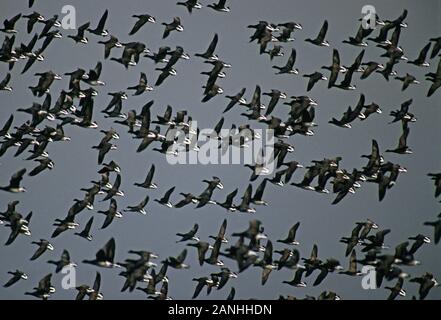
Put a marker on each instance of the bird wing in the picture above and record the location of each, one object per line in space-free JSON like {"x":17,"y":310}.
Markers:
{"x":335,"y":68}
{"x":322,"y":34}
{"x":182,"y":256}
{"x":292,"y":59}
{"x":268,"y":254}
{"x":94,"y":74}
{"x":353,"y":261}
{"x":6,"y":80}
{"x":11,"y":281}
{"x":259,"y":191}
{"x":322,"y":275}
{"x":182,"y":203}
{"x":434,"y":87}
{"x":223,"y":227}
{"x":108,"y":252}
{"x":102,"y":21}
{"x":212,"y":45}
{"x":395,"y":36}
{"x":97,"y":282}
{"x":423,"y":53}
{"x":402,"y":142}
{"x":198,"y":289}
{"x":167,"y":194}
{"x":201,"y":253}
{"x":247,"y":196}
{"x":83,"y":28}
{"x":137,"y":26}
{"x":265,"y":275}
{"x":216,"y":249}
{"x":41,"y":249}
{"x":16,"y":178}
{"x":292,"y":232}
{"x":88,"y":226}
{"x":108,"y":220}
{"x":272,"y":104}
{"x":15,"y":231}
{"x":37,"y":170}
{"x":194,"y":229}
{"x":45,"y":283}
{"x":340,"y":196}
{"x":164,"y":74}
{"x":7,"y":125}
{"x":65,"y":257}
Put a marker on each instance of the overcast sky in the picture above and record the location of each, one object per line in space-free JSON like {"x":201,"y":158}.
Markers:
{"x":406,"y":206}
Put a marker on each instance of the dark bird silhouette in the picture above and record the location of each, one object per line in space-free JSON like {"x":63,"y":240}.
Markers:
{"x":220,"y":6}
{"x":436,"y":177}
{"x":80,"y":36}
{"x":190,"y":5}
{"x":86,"y":231}
{"x":437,"y":225}
{"x":142,"y":86}
{"x":17,"y":275}
{"x":142,"y":20}
{"x":209,"y":54}
{"x":14,"y":183}
{"x":44,"y":289}
{"x":175,"y":25}
{"x":289,"y":67}
{"x":105,"y":256}
{"x":100,"y":29}
{"x":113,"y":42}
{"x":320,"y":39}
{"x":291,"y":238}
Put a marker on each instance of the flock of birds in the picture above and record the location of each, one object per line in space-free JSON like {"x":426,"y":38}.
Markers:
{"x":252,"y":248}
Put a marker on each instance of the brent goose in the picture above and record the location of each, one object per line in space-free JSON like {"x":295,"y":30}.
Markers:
{"x":220,"y":6}
{"x":14,"y":183}
{"x":9,"y":25}
{"x":86,"y":231}
{"x":148,"y":182}
{"x":313,"y":79}
{"x":421,"y":59}
{"x":352,"y":268}
{"x":172,"y":26}
{"x":44,"y":289}
{"x":177,"y":262}
{"x":209,"y":54}
{"x":140,"y":207}
{"x":320,"y":39}
{"x":43,"y":246}
{"x":202,"y":247}
{"x":426,"y":282}
{"x":111,"y":213}
{"x":191,"y":235}
{"x":190,"y":5}
{"x":142,"y":86}
{"x":80,"y":37}
{"x":16,"y":276}
{"x":142,"y":20}
{"x":358,"y":39}
{"x":63,"y":262}
{"x":100,"y":29}
{"x":113,"y":42}
{"x":105,"y":256}
{"x":291,"y":238}
{"x":289,"y":67}
{"x":165,"y":200}
{"x":407,"y":80}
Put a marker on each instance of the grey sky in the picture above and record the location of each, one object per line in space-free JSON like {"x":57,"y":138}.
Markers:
{"x":405,"y":208}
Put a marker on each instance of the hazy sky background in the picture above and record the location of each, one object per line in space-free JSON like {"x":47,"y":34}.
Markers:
{"x":49,"y":196}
